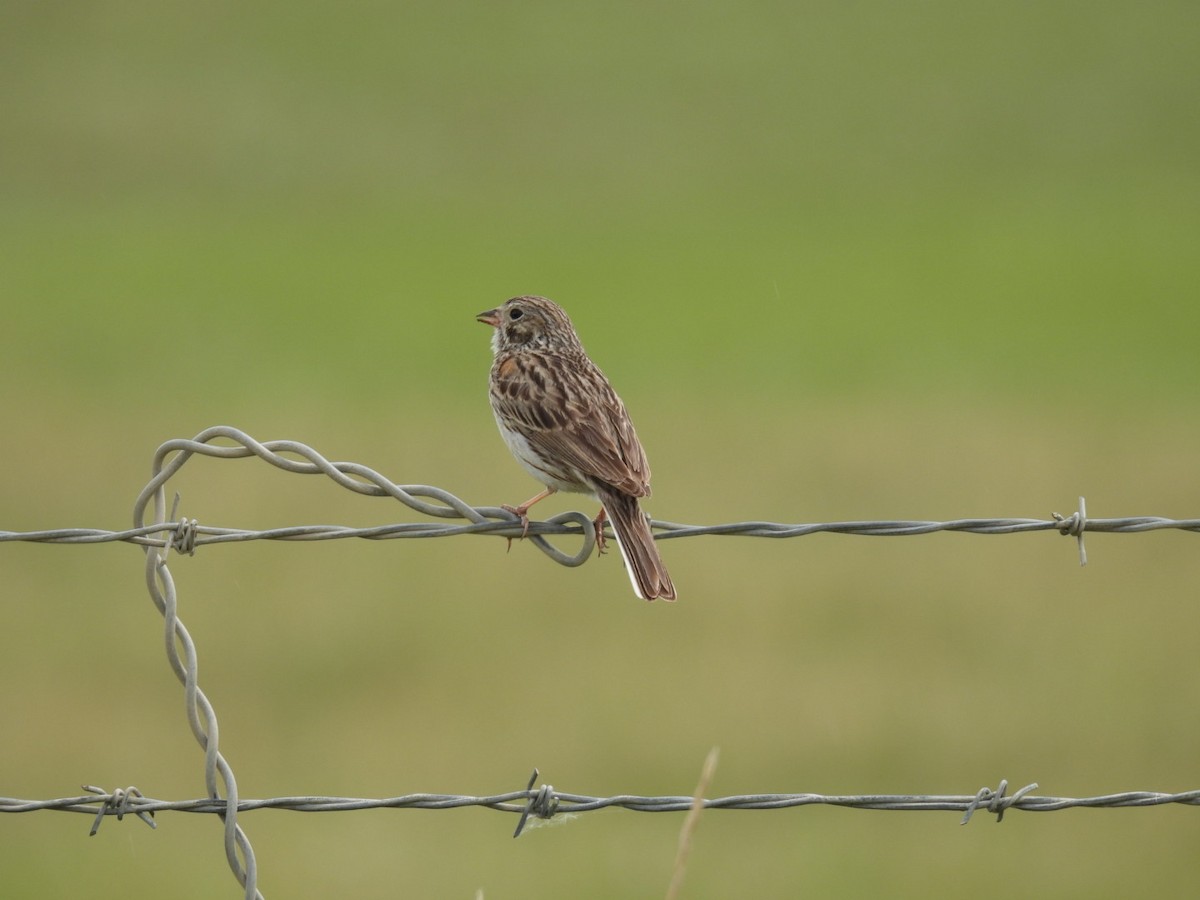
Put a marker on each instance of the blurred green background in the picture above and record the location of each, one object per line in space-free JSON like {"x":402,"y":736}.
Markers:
{"x":842,"y":260}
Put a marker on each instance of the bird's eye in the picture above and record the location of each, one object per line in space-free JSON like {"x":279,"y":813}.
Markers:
{"x":515,"y":314}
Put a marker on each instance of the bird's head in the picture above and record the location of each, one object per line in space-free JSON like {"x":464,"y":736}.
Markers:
{"x":530,"y":323}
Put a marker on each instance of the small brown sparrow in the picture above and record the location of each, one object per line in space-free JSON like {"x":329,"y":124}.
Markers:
{"x":564,"y":423}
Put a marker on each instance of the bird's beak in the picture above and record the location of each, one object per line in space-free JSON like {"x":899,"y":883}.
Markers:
{"x":491,"y":317}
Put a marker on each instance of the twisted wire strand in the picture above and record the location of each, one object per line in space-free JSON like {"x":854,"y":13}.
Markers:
{"x":202,"y":719}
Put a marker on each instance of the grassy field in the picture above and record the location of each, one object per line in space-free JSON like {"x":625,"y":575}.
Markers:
{"x":846,"y":261}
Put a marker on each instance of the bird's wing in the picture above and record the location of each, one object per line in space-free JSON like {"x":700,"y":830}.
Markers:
{"x":568,"y":412}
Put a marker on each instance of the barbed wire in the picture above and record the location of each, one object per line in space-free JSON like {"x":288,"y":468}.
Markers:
{"x":187,"y":535}
{"x":158,"y":535}
{"x":504,"y":524}
{"x":546,"y":803}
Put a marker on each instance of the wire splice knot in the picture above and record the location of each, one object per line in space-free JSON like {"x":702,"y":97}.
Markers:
{"x":182,"y":538}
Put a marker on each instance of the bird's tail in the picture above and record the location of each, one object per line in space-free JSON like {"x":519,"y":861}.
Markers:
{"x":636,"y":540}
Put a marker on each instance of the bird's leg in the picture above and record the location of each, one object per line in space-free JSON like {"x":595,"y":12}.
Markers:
{"x":598,"y":524}
{"x":523,"y":510}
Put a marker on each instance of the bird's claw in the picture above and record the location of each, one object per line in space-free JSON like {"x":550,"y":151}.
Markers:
{"x":601,"y":540}
{"x":522,"y":513}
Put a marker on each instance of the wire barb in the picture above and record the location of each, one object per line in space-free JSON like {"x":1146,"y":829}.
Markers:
{"x":995,"y":801}
{"x":118,"y":803}
{"x":541,"y":803}
{"x":1074,"y":525}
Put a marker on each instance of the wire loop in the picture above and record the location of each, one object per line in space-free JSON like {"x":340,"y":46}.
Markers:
{"x":587,"y":529}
